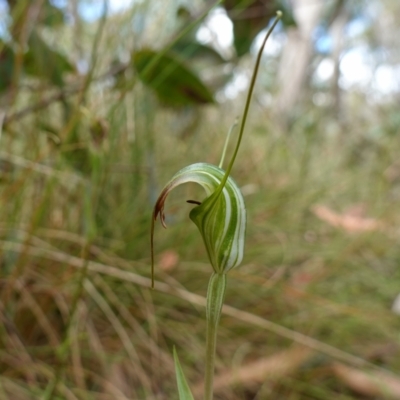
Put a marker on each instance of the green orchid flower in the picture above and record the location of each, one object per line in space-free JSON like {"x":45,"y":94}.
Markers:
{"x":221,"y":217}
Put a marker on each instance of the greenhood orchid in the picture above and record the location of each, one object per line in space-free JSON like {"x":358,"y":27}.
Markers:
{"x":221,"y":220}
{"x":221,"y":217}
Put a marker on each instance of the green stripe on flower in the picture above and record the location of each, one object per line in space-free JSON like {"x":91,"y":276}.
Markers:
{"x":221,"y":219}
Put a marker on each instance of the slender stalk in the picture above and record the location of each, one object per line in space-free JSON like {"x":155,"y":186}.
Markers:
{"x":215,"y":301}
{"x":247,"y":105}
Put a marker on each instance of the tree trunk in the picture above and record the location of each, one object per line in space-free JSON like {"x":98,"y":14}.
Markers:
{"x":297,"y":54}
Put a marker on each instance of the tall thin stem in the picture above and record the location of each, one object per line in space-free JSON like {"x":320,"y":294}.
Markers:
{"x":215,"y":301}
{"x":247,"y":105}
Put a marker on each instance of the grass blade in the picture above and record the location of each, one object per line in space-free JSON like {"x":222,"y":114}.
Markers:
{"x":183,"y":387}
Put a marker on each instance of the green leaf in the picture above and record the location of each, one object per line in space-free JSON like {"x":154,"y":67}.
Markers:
{"x":250,"y":17}
{"x":288,"y":19}
{"x":202,"y":57}
{"x":174,"y":83}
{"x":183,"y":387}
{"x":189,"y":49}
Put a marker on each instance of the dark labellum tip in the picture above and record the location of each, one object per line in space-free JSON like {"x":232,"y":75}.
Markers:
{"x":193,"y":202}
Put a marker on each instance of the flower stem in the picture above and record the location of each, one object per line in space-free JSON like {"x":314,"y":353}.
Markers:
{"x":248,"y":100}
{"x":215,"y":301}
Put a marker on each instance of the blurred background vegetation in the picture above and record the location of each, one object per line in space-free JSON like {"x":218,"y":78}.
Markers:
{"x":101,"y":102}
